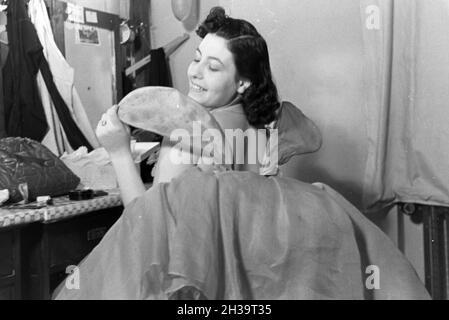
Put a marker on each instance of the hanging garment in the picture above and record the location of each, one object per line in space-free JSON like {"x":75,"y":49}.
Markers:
{"x":72,"y":132}
{"x":63,"y":75}
{"x":158,"y":71}
{"x":23,"y":109}
{"x":24,"y":114}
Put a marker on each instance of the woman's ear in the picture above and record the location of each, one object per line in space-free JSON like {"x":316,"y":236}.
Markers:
{"x":243,"y":85}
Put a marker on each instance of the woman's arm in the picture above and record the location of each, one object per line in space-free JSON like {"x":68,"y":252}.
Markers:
{"x":114,"y":136}
{"x":128,"y":178}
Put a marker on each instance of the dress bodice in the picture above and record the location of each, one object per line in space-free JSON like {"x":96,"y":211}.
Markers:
{"x":232,"y":117}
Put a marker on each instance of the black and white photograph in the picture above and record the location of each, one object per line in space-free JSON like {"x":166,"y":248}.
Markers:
{"x":87,"y":35}
{"x":224,"y":155}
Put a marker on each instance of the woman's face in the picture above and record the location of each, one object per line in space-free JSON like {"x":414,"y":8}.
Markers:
{"x":212,"y":74}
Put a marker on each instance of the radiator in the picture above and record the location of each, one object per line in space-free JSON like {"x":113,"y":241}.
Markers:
{"x":436,"y":246}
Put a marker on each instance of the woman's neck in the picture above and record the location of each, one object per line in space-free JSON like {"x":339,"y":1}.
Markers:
{"x":233,"y":102}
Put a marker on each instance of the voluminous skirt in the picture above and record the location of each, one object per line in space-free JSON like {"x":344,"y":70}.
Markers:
{"x":238,"y":235}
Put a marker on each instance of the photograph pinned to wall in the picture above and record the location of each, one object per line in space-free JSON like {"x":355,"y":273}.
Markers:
{"x":75,"y":13}
{"x":87,"y":35}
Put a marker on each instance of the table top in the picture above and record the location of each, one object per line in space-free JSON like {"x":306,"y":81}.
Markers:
{"x":62,"y":208}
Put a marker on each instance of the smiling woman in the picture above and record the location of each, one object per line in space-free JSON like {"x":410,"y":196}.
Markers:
{"x":230,"y":76}
{"x":245,"y":62}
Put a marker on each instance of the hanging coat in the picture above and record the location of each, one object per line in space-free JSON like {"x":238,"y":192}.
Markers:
{"x":24,"y":113}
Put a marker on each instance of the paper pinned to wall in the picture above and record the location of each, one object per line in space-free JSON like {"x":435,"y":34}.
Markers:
{"x":87,"y":35}
{"x":75,"y":13}
{"x":91,"y":17}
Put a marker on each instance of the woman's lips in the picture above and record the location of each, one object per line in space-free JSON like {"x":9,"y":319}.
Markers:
{"x":196,"y":88}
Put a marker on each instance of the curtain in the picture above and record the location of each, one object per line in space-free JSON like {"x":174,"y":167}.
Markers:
{"x":406,"y":62}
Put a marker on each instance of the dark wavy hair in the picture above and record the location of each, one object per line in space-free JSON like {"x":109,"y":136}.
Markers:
{"x":249,"y":49}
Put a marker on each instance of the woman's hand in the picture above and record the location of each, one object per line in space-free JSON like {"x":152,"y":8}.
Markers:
{"x":113,"y":134}
{"x":115,"y":137}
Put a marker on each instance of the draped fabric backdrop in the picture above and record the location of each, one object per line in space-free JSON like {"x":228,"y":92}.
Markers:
{"x":374,"y":76}
{"x":406,"y":68}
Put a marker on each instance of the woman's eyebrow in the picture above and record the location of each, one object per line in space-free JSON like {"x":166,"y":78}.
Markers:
{"x":213,"y":58}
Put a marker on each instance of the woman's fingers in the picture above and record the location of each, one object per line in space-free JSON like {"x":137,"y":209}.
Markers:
{"x":113,"y":135}
{"x":113,"y":116}
{"x":110,"y":119}
{"x":105,"y":122}
{"x":115,"y":120}
{"x":110,"y":122}
{"x":101,"y":123}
